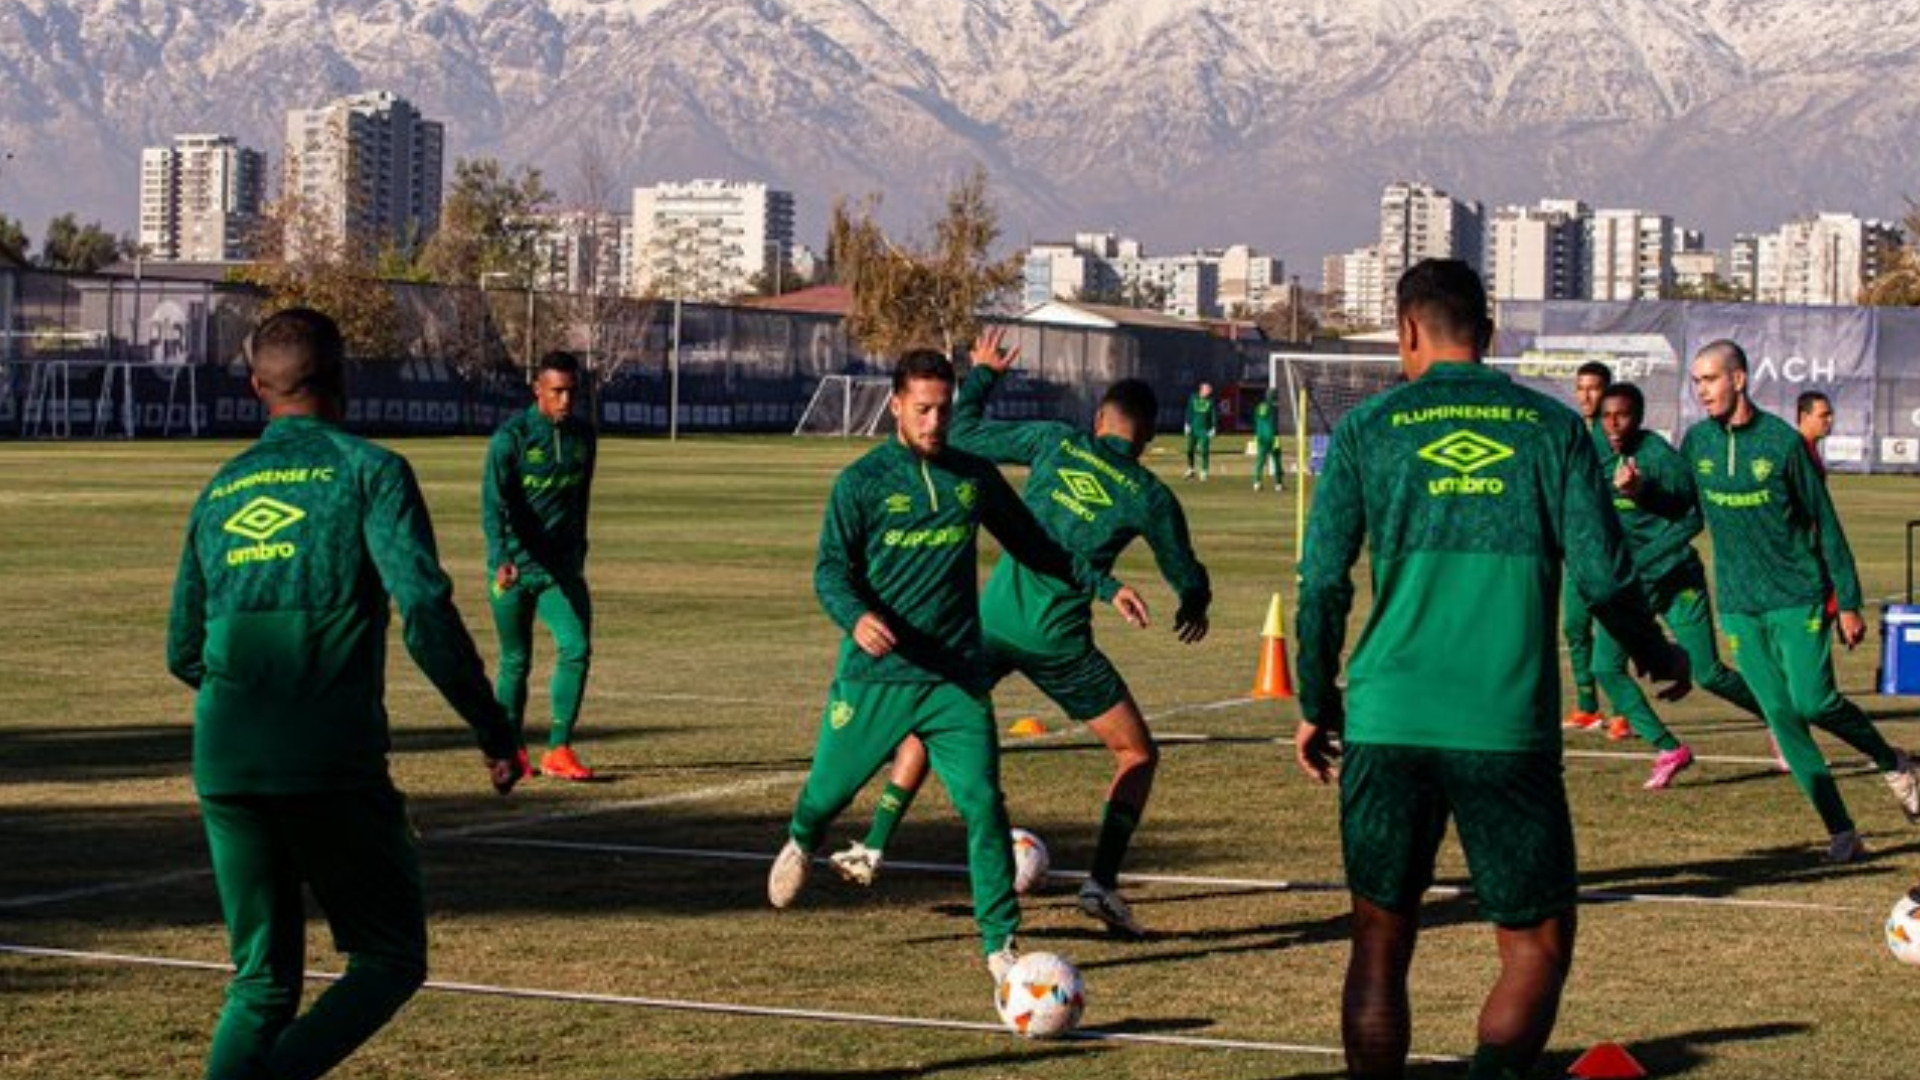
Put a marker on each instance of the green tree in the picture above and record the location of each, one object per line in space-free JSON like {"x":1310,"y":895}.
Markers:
{"x":13,"y":237}
{"x":487,"y":224}
{"x":925,"y":295}
{"x":301,"y":263}
{"x":78,"y":248}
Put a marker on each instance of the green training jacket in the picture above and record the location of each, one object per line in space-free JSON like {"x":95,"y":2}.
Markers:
{"x":534,"y":494}
{"x":1664,"y":517}
{"x":280,"y":614}
{"x":1266,"y":421}
{"x":899,"y":540}
{"x":1469,"y":492}
{"x":1093,"y":497}
{"x":1776,"y":539}
{"x":1202,"y":416}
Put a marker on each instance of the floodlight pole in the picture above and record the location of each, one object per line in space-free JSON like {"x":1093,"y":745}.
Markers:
{"x":673,"y":374}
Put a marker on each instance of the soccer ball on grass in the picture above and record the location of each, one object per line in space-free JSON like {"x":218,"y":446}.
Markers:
{"x":1042,"y":996}
{"x":1030,"y":862}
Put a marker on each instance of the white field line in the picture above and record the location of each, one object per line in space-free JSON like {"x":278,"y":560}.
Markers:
{"x":1601,"y":896}
{"x":705,"y":794}
{"x":105,"y":888}
{"x":724,"y":1008}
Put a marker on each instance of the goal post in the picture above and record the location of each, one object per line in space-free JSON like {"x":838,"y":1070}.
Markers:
{"x":848,"y":406}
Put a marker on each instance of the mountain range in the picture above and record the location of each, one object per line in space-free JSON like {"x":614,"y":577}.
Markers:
{"x":1182,"y":122}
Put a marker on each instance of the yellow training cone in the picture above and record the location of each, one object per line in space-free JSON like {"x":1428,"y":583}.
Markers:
{"x":1027,"y":725}
{"x":1271,"y":679}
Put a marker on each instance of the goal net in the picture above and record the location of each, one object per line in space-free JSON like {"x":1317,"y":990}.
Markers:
{"x":848,"y":406}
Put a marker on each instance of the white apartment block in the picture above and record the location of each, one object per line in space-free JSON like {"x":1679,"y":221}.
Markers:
{"x":1054,"y":271}
{"x":1630,"y":255}
{"x":1697,"y":269}
{"x":1419,"y":221}
{"x":1824,"y":259}
{"x":199,"y":199}
{"x":1106,"y":267}
{"x":368,"y":168}
{"x":707,"y":239}
{"x":1249,"y":281}
{"x":1743,"y":264}
{"x":1193,"y":289}
{"x":1361,"y":292}
{"x":580,"y":252}
{"x":1537,"y":252}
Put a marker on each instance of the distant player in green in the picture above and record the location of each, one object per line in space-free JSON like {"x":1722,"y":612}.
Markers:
{"x":1093,"y":496}
{"x":897,"y":570}
{"x":1777,"y":545}
{"x":1654,"y":495}
{"x":1589,"y":382}
{"x":1203,"y":421}
{"x":1266,"y":442}
{"x":533,"y":509}
{"x":280,"y":624}
{"x":1469,"y":493}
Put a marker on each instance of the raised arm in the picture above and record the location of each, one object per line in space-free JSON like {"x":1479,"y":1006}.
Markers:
{"x":1002,"y":441}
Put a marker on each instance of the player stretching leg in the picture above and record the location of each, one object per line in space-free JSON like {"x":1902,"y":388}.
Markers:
{"x":1658,"y":508}
{"x":1776,"y":544}
{"x":1093,"y":496}
{"x":896,"y":571}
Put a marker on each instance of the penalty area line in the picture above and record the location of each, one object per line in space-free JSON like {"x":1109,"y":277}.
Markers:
{"x":1590,"y":896}
{"x":771,"y":1012}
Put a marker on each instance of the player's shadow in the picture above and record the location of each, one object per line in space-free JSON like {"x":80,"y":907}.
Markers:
{"x":1670,"y":1055}
{"x":91,"y":755}
{"x":1762,"y":868}
{"x":1052,"y":1052}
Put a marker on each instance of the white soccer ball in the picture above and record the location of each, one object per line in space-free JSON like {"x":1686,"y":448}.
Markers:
{"x":1903,"y":929}
{"x":1030,"y":862}
{"x":1041,"y":997}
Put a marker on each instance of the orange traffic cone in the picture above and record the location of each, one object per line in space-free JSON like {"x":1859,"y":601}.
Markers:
{"x":1027,"y":726}
{"x":1272,"y":679}
{"x":1606,"y":1061}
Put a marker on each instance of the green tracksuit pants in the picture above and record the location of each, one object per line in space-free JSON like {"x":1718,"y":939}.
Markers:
{"x":567,"y":610}
{"x":862,"y":724}
{"x":1199,"y":449}
{"x":1266,"y":455}
{"x":354,"y":849}
{"x":1786,"y":656}
{"x":1680,"y":599}
{"x":1576,"y":624}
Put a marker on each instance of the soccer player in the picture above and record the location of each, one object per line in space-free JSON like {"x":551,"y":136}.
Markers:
{"x":896,"y":570}
{"x":533,"y":509}
{"x":1814,"y":419}
{"x":1777,"y":545}
{"x":1093,"y":497}
{"x":279,"y":623}
{"x":1576,"y":625}
{"x":1469,"y":492}
{"x":1203,"y":420}
{"x":1266,"y":442}
{"x":1660,"y":512}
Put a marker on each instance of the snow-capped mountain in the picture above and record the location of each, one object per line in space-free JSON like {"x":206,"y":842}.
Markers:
{"x":1185,"y":122}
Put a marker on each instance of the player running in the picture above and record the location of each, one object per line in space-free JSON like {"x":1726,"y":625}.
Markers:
{"x":533,"y":509}
{"x":897,"y":571}
{"x":1469,"y":492}
{"x":1093,"y":496}
{"x":1777,"y":545}
{"x":1203,"y":421}
{"x":1660,"y":512}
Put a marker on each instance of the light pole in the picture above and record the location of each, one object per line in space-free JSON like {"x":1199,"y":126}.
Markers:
{"x":778,"y":250}
{"x":1293,"y":306}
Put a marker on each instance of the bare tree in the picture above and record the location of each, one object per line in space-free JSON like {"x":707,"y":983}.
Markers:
{"x":1898,"y":285}
{"x":608,"y":326}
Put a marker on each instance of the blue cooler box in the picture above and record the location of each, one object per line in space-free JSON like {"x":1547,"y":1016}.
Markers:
{"x":1900,"y":649}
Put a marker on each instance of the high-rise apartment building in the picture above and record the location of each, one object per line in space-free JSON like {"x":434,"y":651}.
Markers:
{"x":580,"y":251}
{"x":1630,"y":255}
{"x":1823,"y":259}
{"x":365,"y":169}
{"x":1538,"y":252}
{"x":707,"y":239}
{"x":199,"y":199}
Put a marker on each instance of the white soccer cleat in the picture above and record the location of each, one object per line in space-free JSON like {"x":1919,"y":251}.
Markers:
{"x":1845,"y":847}
{"x":858,"y":864}
{"x":1105,"y":904}
{"x":1002,"y":961}
{"x":788,"y":876}
{"x":1906,"y":786}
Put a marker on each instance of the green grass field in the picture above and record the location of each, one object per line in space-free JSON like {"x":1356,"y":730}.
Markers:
{"x":711,"y":662}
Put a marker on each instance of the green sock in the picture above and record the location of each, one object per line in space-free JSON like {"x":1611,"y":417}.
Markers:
{"x":1490,"y":1063}
{"x":1117,"y":822}
{"x":893,"y":806}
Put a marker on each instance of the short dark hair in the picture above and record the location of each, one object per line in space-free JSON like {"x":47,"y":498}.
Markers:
{"x":1809,"y":399}
{"x":558,"y":360}
{"x":1135,"y":400}
{"x":1728,"y":350}
{"x":1636,"y":401}
{"x":308,"y":353}
{"x":1596,"y":369}
{"x":922,"y":364}
{"x":1448,"y":299}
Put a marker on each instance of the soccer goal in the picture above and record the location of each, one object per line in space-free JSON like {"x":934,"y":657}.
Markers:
{"x":848,"y":406}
